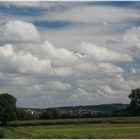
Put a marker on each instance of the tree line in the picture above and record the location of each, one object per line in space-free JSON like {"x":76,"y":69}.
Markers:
{"x":9,"y":111}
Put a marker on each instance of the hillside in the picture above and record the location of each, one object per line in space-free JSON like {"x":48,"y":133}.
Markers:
{"x":76,"y":111}
{"x":96,"y":108}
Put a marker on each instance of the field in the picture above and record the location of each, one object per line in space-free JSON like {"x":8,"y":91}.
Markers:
{"x":117,"y":127}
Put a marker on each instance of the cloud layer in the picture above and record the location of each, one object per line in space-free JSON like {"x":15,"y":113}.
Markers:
{"x":92,"y":60}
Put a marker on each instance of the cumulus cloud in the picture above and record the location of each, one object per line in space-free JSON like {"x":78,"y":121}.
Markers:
{"x":134,"y":83}
{"x":53,"y":86}
{"x":96,"y":69}
{"x":101,"y":53}
{"x":62,"y":71}
{"x":132,"y":37}
{"x":58,"y":86}
{"x":59,"y":56}
{"x":119,"y":82}
{"x":106,"y":89}
{"x":110,"y":68}
{"x":13,"y":61}
{"x":23,"y":62}
{"x":82,"y":96}
{"x":20,"y":31}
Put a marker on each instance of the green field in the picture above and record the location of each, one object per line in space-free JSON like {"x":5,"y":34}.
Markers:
{"x":84,"y":129}
{"x":75,"y":131}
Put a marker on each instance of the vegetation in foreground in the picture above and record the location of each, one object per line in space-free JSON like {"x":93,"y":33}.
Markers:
{"x":111,"y":127}
{"x":75,"y":131}
{"x":78,"y":121}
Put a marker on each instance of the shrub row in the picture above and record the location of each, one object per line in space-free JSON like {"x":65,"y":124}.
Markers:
{"x":77,"y":121}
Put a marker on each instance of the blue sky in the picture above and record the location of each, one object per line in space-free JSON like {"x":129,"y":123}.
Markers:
{"x":69,"y":53}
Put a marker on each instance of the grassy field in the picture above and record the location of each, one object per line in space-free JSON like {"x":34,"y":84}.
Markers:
{"x":75,"y":131}
{"x":130,"y":129}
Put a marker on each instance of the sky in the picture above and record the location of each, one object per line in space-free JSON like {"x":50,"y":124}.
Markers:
{"x":69,"y":53}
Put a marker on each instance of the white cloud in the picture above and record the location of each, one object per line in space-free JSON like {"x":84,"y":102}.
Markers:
{"x":94,"y":14}
{"x":13,"y":61}
{"x":58,"y":86}
{"x":35,"y":87}
{"x":118,"y":82}
{"x":23,"y":62}
{"x":96,"y":69}
{"x":80,"y":96}
{"x":133,"y":70}
{"x":101,"y":53}
{"x":50,"y":86}
{"x":132,"y":37}
{"x":20,"y":31}
{"x":59,"y":56}
{"x":106,"y":89}
{"x":109,"y":68}
{"x":134,"y":83}
{"x":62,"y":71}
{"x":41,"y":62}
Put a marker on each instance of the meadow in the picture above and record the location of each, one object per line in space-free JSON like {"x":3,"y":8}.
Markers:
{"x":111,"y":127}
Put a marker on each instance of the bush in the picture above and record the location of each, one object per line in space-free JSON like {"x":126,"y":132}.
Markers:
{"x":1,"y":133}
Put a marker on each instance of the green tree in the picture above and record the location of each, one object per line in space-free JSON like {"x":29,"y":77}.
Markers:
{"x":135,"y":101}
{"x":50,"y":114}
{"x":7,"y":108}
{"x":24,"y":115}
